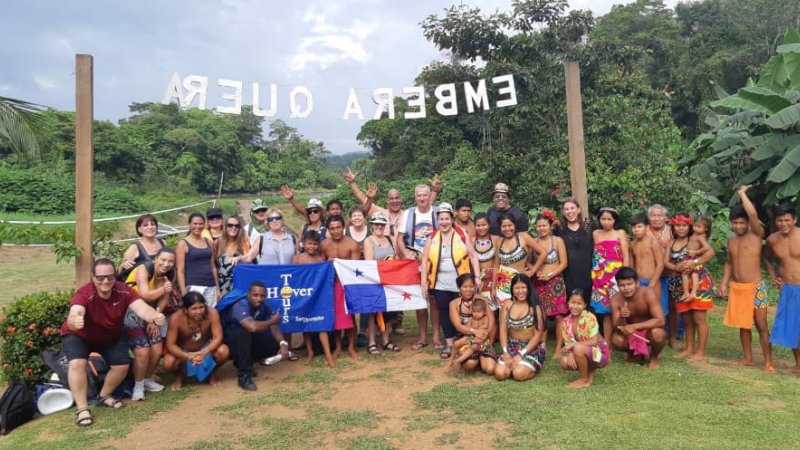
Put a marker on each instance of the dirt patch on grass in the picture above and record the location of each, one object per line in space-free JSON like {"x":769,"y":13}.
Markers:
{"x":385,"y":385}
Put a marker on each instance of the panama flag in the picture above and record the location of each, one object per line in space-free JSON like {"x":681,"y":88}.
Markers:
{"x":376,"y":286}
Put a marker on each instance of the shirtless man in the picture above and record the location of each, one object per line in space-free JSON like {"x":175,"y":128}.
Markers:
{"x":311,"y":244}
{"x":463,"y":217}
{"x":658,"y":229}
{"x":636,"y":314}
{"x":194,"y":335}
{"x":783,"y":246}
{"x":747,"y":299}
{"x":646,"y":253}
{"x":343,"y":247}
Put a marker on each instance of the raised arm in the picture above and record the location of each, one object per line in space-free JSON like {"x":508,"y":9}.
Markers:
{"x":288,"y":194}
{"x":752,"y":214}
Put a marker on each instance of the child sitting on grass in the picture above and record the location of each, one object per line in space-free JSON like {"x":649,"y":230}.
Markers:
{"x":468,"y":345}
{"x":584,"y":349}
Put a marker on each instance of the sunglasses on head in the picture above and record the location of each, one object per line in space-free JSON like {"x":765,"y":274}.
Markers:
{"x":233,"y":225}
{"x":274,"y":218}
{"x":104,"y":277}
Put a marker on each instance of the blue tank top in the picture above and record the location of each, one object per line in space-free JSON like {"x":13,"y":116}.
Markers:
{"x":198,"y":265}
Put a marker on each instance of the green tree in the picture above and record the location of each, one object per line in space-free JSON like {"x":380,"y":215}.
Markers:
{"x":755,"y":138}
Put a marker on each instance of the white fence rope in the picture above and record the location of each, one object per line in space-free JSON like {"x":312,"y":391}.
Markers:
{"x":106,"y":219}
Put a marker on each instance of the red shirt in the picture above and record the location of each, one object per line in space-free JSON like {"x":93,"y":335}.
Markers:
{"x":103,"y":321}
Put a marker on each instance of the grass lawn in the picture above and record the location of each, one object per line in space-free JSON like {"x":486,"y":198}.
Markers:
{"x":711,"y":405}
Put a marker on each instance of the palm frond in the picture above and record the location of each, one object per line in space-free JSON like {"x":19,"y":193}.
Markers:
{"x":18,"y":121}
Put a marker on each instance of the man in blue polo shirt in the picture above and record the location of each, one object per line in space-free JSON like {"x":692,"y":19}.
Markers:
{"x":245,"y":323}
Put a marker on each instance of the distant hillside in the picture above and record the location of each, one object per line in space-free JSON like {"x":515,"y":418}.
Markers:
{"x":345,"y":160}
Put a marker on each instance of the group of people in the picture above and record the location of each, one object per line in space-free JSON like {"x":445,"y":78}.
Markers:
{"x":488,"y":280}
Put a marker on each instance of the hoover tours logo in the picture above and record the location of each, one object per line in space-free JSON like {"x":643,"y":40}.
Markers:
{"x":286,"y":293}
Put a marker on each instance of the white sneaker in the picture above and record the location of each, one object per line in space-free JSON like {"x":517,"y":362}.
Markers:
{"x":152,"y":386}
{"x":138,"y":391}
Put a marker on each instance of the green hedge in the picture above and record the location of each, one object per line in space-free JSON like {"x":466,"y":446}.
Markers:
{"x":29,"y":326}
{"x":36,"y":192}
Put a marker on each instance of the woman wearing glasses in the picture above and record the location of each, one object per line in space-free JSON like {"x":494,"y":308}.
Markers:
{"x":233,"y":247}
{"x":277,"y":245}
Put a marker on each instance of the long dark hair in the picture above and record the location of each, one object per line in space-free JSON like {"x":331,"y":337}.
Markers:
{"x":533,"y":299}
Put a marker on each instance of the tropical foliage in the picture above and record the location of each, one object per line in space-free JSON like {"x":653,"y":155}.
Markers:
{"x":755,"y":139}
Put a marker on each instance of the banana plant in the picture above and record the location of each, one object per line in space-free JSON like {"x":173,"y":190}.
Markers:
{"x":754,"y":135}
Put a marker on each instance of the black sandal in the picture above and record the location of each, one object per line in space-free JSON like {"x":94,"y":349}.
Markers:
{"x":115,"y":403}
{"x":391,"y":347}
{"x":373,"y":350}
{"x":84,"y":421}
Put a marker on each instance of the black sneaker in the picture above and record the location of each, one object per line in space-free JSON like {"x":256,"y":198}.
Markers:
{"x":361,"y":340}
{"x":246,"y":382}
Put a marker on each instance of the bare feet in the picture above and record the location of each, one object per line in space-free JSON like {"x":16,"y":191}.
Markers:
{"x":654,"y":363}
{"x":684,"y":354}
{"x":698,"y":357}
{"x":795,"y":369}
{"x":177,"y":384}
{"x":580,"y":383}
{"x":337,"y":352}
{"x":769,"y":368}
{"x":330,"y":361}
{"x":213,"y":380}
{"x":630,"y":359}
{"x":309,"y":358}
{"x":353,"y":354}
{"x":743,"y":362}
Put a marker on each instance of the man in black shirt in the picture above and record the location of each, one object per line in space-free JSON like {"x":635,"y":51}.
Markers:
{"x":501,"y":196}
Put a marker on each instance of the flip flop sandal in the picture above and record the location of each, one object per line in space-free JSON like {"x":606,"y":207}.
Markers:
{"x":391,"y":347}
{"x":373,"y":350}
{"x":419,"y":346}
{"x":115,"y":403}
{"x":439,"y":346}
{"x":293,"y":356}
{"x":446,"y":352}
{"x":84,"y":421}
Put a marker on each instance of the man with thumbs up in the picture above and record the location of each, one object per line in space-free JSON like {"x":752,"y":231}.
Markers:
{"x":95,"y":324}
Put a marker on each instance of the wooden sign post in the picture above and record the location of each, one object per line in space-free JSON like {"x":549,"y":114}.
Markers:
{"x":577,"y":157}
{"x":84,"y":166}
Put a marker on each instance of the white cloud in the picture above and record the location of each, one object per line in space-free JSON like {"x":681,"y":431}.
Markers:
{"x":329,"y":44}
{"x":44,"y":82}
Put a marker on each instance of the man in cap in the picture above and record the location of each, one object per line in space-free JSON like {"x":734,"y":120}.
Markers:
{"x":258,"y":217}
{"x":501,"y":196}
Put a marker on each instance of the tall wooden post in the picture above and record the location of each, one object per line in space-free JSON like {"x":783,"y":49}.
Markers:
{"x":84,"y":166}
{"x":577,"y":157}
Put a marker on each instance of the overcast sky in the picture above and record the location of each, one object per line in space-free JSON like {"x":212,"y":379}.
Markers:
{"x":327,"y":46}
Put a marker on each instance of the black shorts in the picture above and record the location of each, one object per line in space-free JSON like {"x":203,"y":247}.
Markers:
{"x":115,"y":353}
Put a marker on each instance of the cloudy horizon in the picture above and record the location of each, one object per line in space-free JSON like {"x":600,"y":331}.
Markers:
{"x":328,"y":47}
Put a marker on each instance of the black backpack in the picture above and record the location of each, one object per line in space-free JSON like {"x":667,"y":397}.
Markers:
{"x":16,"y":406}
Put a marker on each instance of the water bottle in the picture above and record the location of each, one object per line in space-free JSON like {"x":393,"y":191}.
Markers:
{"x":273,"y":360}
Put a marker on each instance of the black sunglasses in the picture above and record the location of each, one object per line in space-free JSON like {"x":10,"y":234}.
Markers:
{"x":274,"y":218}
{"x":233,"y":225}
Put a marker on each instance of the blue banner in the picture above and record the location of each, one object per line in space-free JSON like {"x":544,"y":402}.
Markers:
{"x":303,"y":293}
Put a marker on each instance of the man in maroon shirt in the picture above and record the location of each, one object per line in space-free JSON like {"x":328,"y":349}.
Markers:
{"x":95,"y":324}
